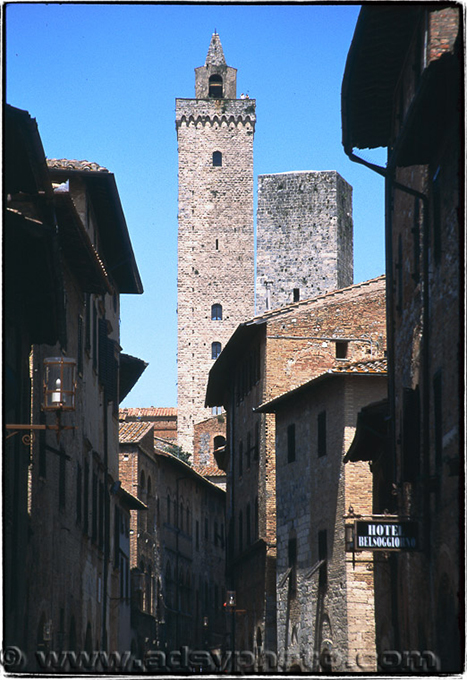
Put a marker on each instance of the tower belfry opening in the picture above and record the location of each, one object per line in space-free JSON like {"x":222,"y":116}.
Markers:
{"x":215,"y":80}
{"x":215,"y":86}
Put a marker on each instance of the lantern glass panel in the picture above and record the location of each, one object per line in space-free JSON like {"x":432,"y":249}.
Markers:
{"x":59,"y":383}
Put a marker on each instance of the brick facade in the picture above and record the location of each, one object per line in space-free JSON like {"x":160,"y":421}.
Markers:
{"x":265,"y":357}
{"x":209,"y":435}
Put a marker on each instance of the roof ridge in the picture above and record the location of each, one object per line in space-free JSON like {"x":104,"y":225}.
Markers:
{"x":335,"y":369}
{"x":328,"y":294}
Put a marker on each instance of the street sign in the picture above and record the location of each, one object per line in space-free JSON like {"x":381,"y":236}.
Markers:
{"x":386,"y":535}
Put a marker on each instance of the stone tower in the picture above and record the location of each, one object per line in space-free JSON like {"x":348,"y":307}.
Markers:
{"x":215,"y":228}
{"x":304,"y":237}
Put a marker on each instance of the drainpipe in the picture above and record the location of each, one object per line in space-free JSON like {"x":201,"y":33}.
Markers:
{"x":390,"y":184}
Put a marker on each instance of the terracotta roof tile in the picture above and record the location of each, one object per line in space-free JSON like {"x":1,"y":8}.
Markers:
{"x":132,"y":433}
{"x":367,"y":366}
{"x":71,"y":164}
{"x":209,"y":470}
{"x":149,"y":412}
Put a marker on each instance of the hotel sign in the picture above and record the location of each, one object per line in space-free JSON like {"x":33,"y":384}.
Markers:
{"x":386,"y":535}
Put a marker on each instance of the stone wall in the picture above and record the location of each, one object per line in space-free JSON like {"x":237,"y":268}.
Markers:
{"x":215,"y":241}
{"x":205,"y":434}
{"x":304,"y":236}
{"x":330,"y":607}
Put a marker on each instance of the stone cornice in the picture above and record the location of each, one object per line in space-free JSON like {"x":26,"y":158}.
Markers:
{"x":220,"y":111}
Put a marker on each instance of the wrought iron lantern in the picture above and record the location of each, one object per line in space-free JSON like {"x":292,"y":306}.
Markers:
{"x":59,"y":394}
{"x":59,"y":384}
{"x":231,"y":598}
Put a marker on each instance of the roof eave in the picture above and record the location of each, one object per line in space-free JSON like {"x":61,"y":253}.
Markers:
{"x":115,"y":237}
{"x":374,"y":60}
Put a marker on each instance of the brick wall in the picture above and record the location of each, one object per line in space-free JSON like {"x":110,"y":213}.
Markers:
{"x":355,"y":315}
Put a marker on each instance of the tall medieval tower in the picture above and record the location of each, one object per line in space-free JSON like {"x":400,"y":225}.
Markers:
{"x":215,"y":228}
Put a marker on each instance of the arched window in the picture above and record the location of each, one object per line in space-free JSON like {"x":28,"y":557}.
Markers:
{"x":217,"y":158}
{"x":215,"y":349}
{"x":149,"y":486}
{"x":168,"y":509}
{"x":142,"y":482}
{"x":215,"y":86}
{"x":219,"y":441}
{"x":216,"y":312}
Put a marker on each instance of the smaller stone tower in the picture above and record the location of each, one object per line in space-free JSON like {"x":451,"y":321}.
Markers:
{"x":304,"y":237}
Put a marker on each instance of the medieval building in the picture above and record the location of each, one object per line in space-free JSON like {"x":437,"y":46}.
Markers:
{"x":325,"y":594}
{"x":402,"y":89}
{"x":66,"y":574}
{"x":215,"y":240}
{"x":33,"y":313}
{"x":264,"y":358}
{"x":177,"y":547}
{"x":304,"y":232}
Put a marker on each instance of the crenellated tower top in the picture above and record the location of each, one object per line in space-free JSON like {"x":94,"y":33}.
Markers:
{"x":215,"y":80}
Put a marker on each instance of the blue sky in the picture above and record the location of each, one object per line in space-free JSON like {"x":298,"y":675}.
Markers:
{"x":101,"y":81}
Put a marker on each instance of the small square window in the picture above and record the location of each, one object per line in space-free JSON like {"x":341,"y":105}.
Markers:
{"x":341,"y":349}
